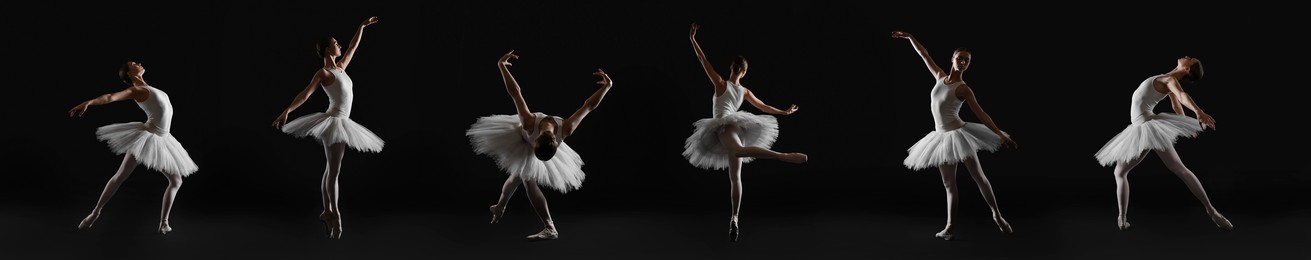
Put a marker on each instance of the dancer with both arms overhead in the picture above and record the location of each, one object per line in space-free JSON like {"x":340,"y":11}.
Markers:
{"x":530,"y":147}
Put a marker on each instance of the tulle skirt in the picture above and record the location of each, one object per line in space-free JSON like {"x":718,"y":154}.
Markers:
{"x":704,"y":150}
{"x":160,"y":152}
{"x":331,"y":129}
{"x":1158,"y":132}
{"x":952,"y":146}
{"x":501,"y":137}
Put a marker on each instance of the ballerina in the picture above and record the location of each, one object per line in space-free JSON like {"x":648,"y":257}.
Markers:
{"x":530,"y":147}
{"x":148,"y":143}
{"x":1158,"y":132}
{"x":956,"y":141}
{"x":333,"y":128}
{"x":733,"y":137}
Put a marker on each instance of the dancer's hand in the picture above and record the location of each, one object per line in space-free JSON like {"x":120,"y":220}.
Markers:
{"x":372,"y":20}
{"x":505,"y":59}
{"x":605,"y":79}
{"x":79,"y":109}
{"x":901,"y":35}
{"x":280,"y":121}
{"x":1206,"y":120}
{"x":1007,"y":142}
{"x":790,"y":110}
{"x":692,"y":34}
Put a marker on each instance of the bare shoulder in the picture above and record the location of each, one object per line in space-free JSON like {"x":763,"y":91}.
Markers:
{"x":138,"y":93}
{"x":963,"y":91}
{"x":324,"y":76}
{"x":1166,"y":84}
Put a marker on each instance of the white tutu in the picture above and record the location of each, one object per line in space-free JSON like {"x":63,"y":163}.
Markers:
{"x":160,"y":152}
{"x":501,"y":137}
{"x":1157,"y":133}
{"x":704,"y":150}
{"x":953,"y":146}
{"x":332,"y":129}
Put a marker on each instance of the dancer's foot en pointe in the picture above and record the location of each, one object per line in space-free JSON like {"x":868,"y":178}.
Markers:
{"x":794,"y":157}
{"x":332,"y":222}
{"x":164,"y":228}
{"x":945,"y":234}
{"x":88,"y":221}
{"x":547,"y":233}
{"x":733,"y":230}
{"x":496,"y":213}
{"x":1221,"y":221}
{"x":1122,"y":222}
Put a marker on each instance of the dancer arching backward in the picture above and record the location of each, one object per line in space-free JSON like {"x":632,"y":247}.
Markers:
{"x":530,"y":147}
{"x":334,"y":127}
{"x":733,"y":137}
{"x":1149,"y":130}
{"x":955,"y":141}
{"x":148,"y":143}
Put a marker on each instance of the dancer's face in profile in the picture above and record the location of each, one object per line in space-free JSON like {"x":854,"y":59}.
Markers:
{"x":135,"y":69}
{"x":130,"y":70}
{"x":1186,"y":61}
{"x":1193,"y":66}
{"x":961,"y":60}
{"x":333,"y":49}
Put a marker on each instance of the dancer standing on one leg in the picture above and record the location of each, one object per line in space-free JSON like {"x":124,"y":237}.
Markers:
{"x":1157,"y":132}
{"x":956,"y":141}
{"x":732,"y":137}
{"x":333,"y":128}
{"x":530,"y":147}
{"x":148,"y":143}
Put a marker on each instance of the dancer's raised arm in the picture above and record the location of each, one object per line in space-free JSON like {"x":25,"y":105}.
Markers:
{"x":592,"y":102}
{"x":355,"y":42}
{"x":715,"y":78}
{"x":924,"y":53}
{"x":512,"y":87}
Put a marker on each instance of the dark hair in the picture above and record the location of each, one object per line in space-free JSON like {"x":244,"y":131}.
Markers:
{"x":737,"y":63}
{"x":1195,"y":71}
{"x":545,"y":147}
{"x":963,"y":49}
{"x":322,"y":46}
{"x":122,"y":72}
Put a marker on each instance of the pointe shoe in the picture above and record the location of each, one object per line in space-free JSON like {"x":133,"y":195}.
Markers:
{"x":545,"y":234}
{"x":1221,"y":221}
{"x":335,"y":232}
{"x":1123,"y":224}
{"x":733,"y":230}
{"x":88,"y":221}
{"x":164,"y":228}
{"x":496,"y":214}
{"x":331,"y":224}
{"x":795,"y":158}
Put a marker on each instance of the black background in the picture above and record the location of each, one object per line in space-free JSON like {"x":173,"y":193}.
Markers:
{"x":1058,"y":78}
